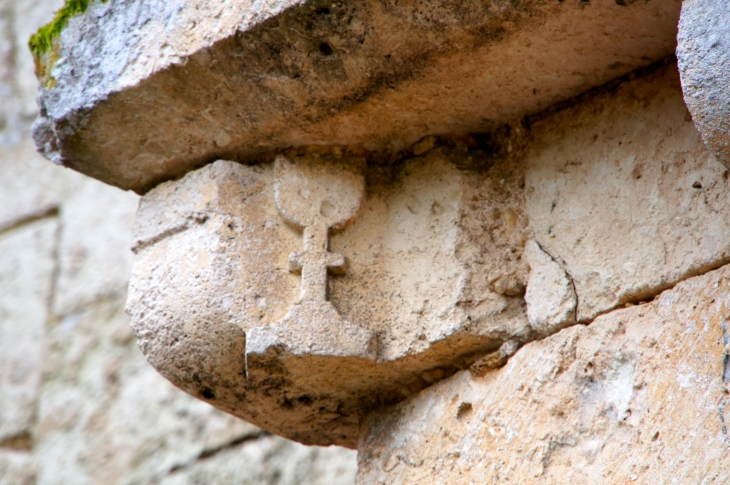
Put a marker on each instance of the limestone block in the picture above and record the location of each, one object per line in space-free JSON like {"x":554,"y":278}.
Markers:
{"x":621,"y":190}
{"x":16,"y":468}
{"x":26,"y":278}
{"x":550,"y":297}
{"x":137,"y":92}
{"x":636,"y":396}
{"x":220,"y":310}
{"x":106,"y":416}
{"x":277,"y":462}
{"x":94,"y":255}
{"x":703,"y":52}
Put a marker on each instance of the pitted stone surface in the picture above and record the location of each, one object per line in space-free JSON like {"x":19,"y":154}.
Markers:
{"x":623,"y":192}
{"x":211,"y":284}
{"x":137,"y":92}
{"x":636,"y":396}
{"x":78,"y":403}
{"x":703,"y":52}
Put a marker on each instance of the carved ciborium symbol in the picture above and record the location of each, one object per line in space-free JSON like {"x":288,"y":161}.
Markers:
{"x":315,"y":196}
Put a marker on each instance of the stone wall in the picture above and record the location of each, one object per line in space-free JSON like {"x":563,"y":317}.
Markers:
{"x":559,"y":314}
{"x":78,"y":402}
{"x":623,"y":194}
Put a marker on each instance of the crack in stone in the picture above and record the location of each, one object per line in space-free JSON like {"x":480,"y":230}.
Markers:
{"x":725,"y":326}
{"x":208,"y":453}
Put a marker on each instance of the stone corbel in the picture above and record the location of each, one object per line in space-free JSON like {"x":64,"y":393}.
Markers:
{"x":302,"y":292}
{"x":298,"y":297}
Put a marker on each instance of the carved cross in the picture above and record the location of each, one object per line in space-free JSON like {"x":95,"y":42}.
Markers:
{"x":316,"y":195}
{"x":314,"y":262}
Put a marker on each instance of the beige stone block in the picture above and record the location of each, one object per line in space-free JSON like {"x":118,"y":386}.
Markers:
{"x":138,"y":93}
{"x":621,"y":189}
{"x":636,"y":396}
{"x":271,"y":461}
{"x":16,"y":468}
{"x":219,"y":308}
{"x":26,"y":281}
{"x":106,"y":416}
{"x":94,"y":253}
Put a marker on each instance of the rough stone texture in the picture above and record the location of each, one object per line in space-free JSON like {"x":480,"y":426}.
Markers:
{"x":26,"y":274}
{"x":637,"y":396}
{"x":194,"y":81}
{"x":316,"y":197}
{"x":102,"y":403}
{"x":78,"y":403}
{"x":210,"y":285}
{"x":703,"y":52}
{"x":550,"y":296}
{"x":618,"y":189}
{"x":623,"y":194}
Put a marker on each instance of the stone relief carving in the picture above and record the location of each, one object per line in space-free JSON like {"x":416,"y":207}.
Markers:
{"x":232,"y":299}
{"x":315,"y":196}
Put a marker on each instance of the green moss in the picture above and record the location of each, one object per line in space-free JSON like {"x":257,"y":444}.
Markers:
{"x":42,"y":41}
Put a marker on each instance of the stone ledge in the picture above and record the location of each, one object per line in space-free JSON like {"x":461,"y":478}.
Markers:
{"x":142,"y":93}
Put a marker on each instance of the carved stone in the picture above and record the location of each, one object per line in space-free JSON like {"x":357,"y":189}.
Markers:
{"x":220,"y":309}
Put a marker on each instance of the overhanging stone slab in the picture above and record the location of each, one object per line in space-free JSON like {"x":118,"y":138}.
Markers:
{"x":138,"y":92}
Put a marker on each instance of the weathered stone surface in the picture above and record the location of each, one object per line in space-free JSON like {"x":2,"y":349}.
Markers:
{"x":278,"y":462}
{"x":106,"y":416}
{"x":703,"y":52}
{"x":16,"y":468}
{"x":26,"y":275}
{"x":93,"y":253}
{"x":315,"y":196}
{"x":138,"y":92}
{"x":422,"y":285}
{"x":550,"y":296}
{"x":119,"y":422}
{"x":637,"y":396}
{"x":623,"y":194}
